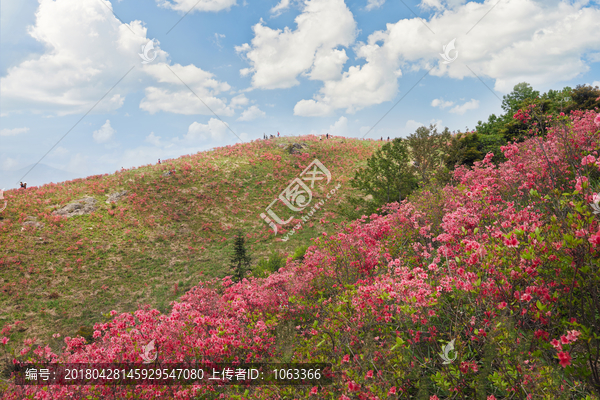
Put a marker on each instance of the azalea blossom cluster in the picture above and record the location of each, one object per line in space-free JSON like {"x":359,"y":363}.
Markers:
{"x":494,"y":263}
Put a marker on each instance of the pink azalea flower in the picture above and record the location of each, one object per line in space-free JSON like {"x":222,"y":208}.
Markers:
{"x":588,"y":160}
{"x":573,"y":335}
{"x":579,"y":183}
{"x":564,"y":359}
{"x":556,"y":344}
{"x":526,"y":297}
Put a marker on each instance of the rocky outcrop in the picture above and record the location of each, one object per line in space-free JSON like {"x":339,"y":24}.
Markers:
{"x":84,"y":206}
{"x":296,"y":148}
{"x":33,"y":223}
{"x":114,"y":197}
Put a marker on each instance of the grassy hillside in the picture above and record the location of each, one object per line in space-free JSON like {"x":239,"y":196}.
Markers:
{"x":485,"y":288}
{"x":164,"y":236}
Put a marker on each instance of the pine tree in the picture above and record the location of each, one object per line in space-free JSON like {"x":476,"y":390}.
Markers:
{"x":240,"y":260}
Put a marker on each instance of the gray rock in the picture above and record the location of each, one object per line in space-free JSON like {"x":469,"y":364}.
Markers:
{"x":114,"y":197}
{"x":84,"y":206}
{"x":296,"y":148}
{"x":32,"y":222}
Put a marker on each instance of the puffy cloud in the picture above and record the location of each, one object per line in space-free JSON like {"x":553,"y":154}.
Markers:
{"x":104,"y":134}
{"x":251,"y":113}
{"x":214,"y":130}
{"x":280,"y":7}
{"x":277,"y":57}
{"x":239,"y":101}
{"x":551,"y":43}
{"x":374,"y":4}
{"x":182,"y":102}
{"x":59,"y":152}
{"x":13,"y":132}
{"x":338,"y":128}
{"x":153,"y":139}
{"x":328,"y":64}
{"x":197,"y":5}
{"x":311,"y":108}
{"x":469,"y":105}
{"x":88,"y":55}
{"x":441,"y":104}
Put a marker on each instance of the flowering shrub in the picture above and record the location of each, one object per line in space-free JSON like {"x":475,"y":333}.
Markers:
{"x":505,"y":264}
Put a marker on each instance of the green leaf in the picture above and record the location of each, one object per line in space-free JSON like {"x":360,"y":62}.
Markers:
{"x":540,"y":305}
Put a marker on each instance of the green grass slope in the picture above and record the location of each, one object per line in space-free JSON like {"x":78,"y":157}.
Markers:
{"x":162,"y":238}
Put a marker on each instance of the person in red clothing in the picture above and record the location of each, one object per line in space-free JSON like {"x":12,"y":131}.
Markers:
{"x":277,"y":134}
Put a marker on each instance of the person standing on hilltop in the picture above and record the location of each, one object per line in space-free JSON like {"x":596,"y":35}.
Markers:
{"x":327,"y":136}
{"x":278,"y":134}
{"x":159,"y":160}
{"x":23,"y":185}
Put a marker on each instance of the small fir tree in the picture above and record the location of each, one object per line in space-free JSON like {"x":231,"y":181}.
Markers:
{"x":240,"y":260}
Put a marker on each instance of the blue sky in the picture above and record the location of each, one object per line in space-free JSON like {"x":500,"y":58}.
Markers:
{"x":292,"y":66}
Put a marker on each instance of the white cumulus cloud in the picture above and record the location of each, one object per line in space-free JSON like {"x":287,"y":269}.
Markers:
{"x":251,"y":113}
{"x":239,"y":101}
{"x":469,"y":105}
{"x":521,"y":40}
{"x":372,"y":4}
{"x":89,"y":54}
{"x":277,"y":57}
{"x":214,"y":130}
{"x":13,"y":132}
{"x":441,"y":103}
{"x":280,"y":7}
{"x":153,"y":139}
{"x":104,"y":134}
{"x":197,"y":5}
